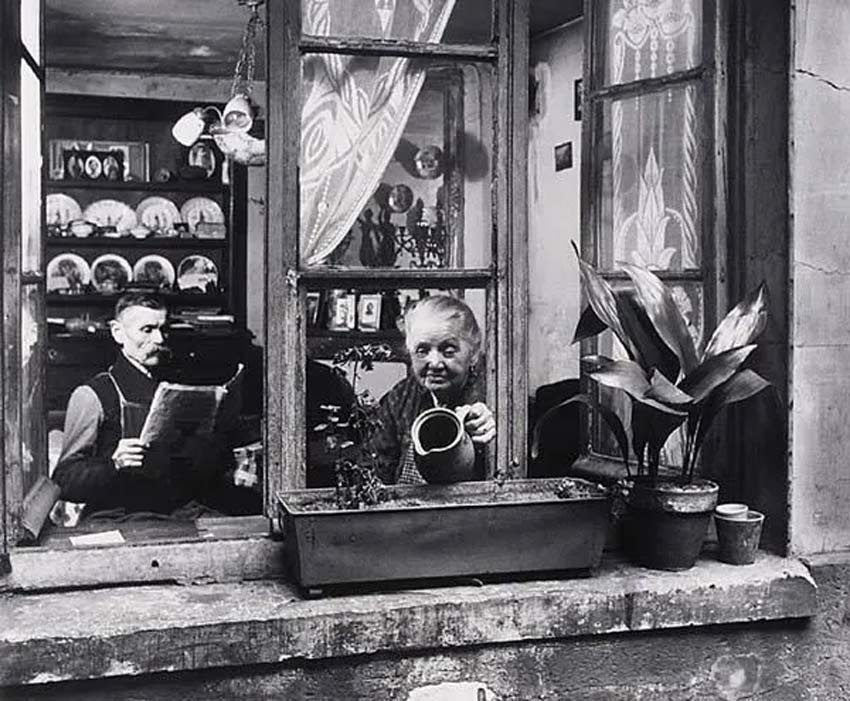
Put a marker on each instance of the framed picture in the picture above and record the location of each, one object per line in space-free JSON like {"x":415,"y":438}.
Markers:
{"x":369,"y":313}
{"x":69,"y":160}
{"x":314,"y":300}
{"x":343,"y":311}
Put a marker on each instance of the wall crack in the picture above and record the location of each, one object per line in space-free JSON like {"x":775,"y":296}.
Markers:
{"x":827,"y":81}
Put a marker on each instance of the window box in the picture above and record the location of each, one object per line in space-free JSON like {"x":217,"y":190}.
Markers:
{"x":427,"y":532}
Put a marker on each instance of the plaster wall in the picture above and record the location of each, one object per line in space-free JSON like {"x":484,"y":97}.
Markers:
{"x":820,"y":269}
{"x":553,"y":207}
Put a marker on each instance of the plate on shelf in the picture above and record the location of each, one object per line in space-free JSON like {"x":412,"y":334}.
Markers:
{"x":199,"y":213}
{"x":196,"y":272}
{"x":111,"y":213}
{"x":62,"y":209}
{"x":158,"y":214}
{"x":110,"y":273}
{"x":67,"y":272}
{"x":154,"y":269}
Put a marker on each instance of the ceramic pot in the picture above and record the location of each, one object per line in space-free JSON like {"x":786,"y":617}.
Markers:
{"x":738,"y":538}
{"x":442,"y":449}
{"x":665,"y":525}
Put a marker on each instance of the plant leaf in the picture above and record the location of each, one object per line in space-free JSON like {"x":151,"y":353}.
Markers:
{"x":625,"y":375}
{"x":664,"y":391}
{"x":742,"y":385}
{"x":601,"y":299}
{"x":741,"y":325}
{"x":608,"y":415}
{"x":713,"y":372}
{"x":651,"y":428}
{"x":650,"y":349}
{"x":658,"y":302}
{"x":589,"y":325}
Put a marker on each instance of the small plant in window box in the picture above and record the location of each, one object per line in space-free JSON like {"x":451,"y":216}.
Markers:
{"x":671,"y":386}
{"x":365,"y":531}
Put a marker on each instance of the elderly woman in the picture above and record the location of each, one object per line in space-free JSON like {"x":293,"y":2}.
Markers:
{"x":444,"y":343}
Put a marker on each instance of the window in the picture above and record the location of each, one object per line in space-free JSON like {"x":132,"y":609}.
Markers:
{"x":457,"y":77}
{"x":653,"y":191}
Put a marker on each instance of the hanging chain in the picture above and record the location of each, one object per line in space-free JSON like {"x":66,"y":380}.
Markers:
{"x":244,"y":84}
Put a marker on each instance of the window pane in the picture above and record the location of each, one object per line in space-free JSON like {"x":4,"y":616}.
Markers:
{"x":33,"y":416}
{"x":650,"y":39}
{"x":396,"y":157}
{"x":457,"y":21}
{"x":31,"y":27}
{"x":30,"y":169}
{"x":337,"y":378}
{"x":649,"y":183}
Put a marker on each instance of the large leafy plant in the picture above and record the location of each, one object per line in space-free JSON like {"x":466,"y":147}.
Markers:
{"x":670,"y":385}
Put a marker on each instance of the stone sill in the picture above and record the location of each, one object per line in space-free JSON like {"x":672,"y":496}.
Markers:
{"x":96,"y":633}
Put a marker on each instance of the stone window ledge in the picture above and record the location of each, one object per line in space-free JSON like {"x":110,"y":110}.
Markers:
{"x":97,"y":633}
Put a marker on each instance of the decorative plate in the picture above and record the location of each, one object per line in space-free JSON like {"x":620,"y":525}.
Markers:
{"x":67,"y":272}
{"x":110,"y":273}
{"x":201,"y":210}
{"x":154,"y":269}
{"x":196,"y":272}
{"x":203,"y":155}
{"x":158,"y":214}
{"x":111,"y":213}
{"x":62,"y":209}
{"x":400,"y":198}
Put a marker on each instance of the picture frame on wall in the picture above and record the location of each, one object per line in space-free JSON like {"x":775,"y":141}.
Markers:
{"x":68,"y":159}
{"x":369,"y":312}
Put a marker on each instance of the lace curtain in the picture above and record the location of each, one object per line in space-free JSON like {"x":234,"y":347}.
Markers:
{"x":355,"y":109}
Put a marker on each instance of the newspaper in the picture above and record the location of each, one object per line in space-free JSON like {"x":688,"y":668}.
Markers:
{"x":179,"y":409}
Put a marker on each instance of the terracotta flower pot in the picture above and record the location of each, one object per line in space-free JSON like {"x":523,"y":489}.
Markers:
{"x":665,"y":525}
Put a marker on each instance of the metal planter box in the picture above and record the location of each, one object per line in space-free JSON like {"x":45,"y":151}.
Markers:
{"x":434,"y":531}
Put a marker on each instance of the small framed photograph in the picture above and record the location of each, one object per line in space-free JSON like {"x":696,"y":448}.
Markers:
{"x":70,"y":159}
{"x":343,"y":311}
{"x":314,"y":300}
{"x":369,"y":313}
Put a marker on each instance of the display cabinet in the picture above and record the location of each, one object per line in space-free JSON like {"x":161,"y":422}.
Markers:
{"x":127,"y":207}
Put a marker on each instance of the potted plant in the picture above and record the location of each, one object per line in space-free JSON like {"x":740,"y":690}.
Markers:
{"x":671,"y":386}
{"x":363,"y":531}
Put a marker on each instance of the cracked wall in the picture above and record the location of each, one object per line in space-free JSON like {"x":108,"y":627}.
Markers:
{"x":820,"y":260}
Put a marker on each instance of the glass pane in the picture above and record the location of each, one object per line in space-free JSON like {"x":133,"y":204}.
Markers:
{"x":650,"y":190}
{"x":31,"y":27}
{"x":647,"y":39}
{"x":342,"y":378}
{"x":33,"y":416}
{"x":30,"y":169}
{"x":690,"y":300}
{"x":450,"y":21}
{"x":396,"y":158}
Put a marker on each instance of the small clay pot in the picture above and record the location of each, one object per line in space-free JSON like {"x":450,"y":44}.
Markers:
{"x":738,"y":538}
{"x":733,"y":511}
{"x":442,"y":449}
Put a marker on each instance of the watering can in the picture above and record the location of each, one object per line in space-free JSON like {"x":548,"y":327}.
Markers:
{"x":442,"y":449}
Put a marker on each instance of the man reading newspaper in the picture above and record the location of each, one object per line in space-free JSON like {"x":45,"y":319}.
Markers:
{"x":186,"y":471}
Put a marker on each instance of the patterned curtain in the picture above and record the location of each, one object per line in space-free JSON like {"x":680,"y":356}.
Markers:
{"x":355,"y":109}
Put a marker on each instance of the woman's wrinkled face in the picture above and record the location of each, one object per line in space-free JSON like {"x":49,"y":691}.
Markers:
{"x":440,"y":354}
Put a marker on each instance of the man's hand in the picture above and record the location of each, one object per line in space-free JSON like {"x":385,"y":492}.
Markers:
{"x":478,"y":421}
{"x":129,"y":453}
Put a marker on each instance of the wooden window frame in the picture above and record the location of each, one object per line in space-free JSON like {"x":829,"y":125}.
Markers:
{"x":286,"y":281}
{"x":254,"y":553}
{"x":712,"y":75}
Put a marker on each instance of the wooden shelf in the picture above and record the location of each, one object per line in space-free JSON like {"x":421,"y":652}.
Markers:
{"x":172,"y":298}
{"x":199,"y":186}
{"x":130,"y":242}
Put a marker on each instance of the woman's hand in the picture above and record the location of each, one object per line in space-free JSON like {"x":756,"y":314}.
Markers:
{"x":478,"y":421}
